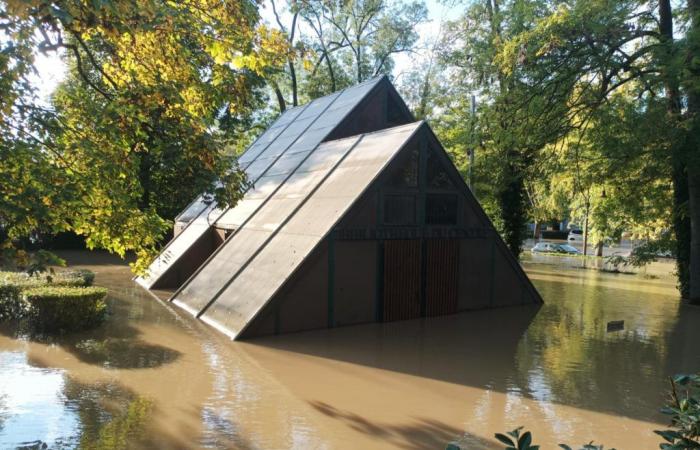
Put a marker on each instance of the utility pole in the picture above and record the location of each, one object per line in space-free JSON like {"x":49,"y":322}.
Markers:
{"x":472,"y":151}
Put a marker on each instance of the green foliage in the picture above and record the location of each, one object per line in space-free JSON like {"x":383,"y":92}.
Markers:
{"x":31,"y":262}
{"x":589,"y":446}
{"x":68,"y":278}
{"x":12,"y":305}
{"x":133,"y":133}
{"x":515,"y":441}
{"x":684,"y":411}
{"x":647,"y":252}
{"x":66,"y":308}
{"x":338,"y":44}
{"x":121,"y":431}
{"x":88,"y":276}
{"x":41,"y":261}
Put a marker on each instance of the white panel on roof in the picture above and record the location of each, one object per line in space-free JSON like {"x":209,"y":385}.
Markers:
{"x":235,"y":217}
{"x":255,"y":285}
{"x":177,"y":247}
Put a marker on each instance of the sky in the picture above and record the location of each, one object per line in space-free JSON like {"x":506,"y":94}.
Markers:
{"x":51,"y":69}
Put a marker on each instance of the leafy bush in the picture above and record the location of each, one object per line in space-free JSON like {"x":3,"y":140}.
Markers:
{"x":24,"y":281}
{"x":12,"y":305}
{"x":684,"y":410}
{"x":515,"y":441}
{"x":87,"y":276}
{"x":66,"y":308}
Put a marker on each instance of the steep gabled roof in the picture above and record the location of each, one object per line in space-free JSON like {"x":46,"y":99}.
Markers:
{"x":270,"y":160}
{"x":230,"y":290}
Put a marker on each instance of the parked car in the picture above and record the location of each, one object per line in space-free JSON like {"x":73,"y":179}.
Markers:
{"x":575,"y":236}
{"x":551,"y":247}
{"x":569,"y":249}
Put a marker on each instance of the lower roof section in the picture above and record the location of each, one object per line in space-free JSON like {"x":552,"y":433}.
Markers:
{"x":256,"y":261}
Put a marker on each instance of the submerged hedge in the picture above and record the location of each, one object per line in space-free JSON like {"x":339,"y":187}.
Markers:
{"x":79,"y":277}
{"x":58,"y":301}
{"x":12,"y":305}
{"x":64,"y":308}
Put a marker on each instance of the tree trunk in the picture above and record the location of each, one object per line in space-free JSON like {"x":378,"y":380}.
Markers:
{"x":359,"y":63}
{"x":512,"y":205}
{"x":692,"y":87}
{"x":536,"y":231}
{"x":680,"y":220}
{"x":585,"y":230}
{"x":293,"y":75}
{"x":694,"y":210}
{"x":280,"y":98}
{"x":292,"y":71}
{"x":599,"y":249}
{"x":331,"y":73}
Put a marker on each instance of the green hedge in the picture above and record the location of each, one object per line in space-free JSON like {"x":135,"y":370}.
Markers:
{"x":12,"y":305}
{"x":66,"y":308}
{"x":71,"y":278}
{"x":87,"y":276}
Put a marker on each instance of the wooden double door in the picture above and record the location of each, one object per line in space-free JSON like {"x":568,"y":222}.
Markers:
{"x":420,"y":278}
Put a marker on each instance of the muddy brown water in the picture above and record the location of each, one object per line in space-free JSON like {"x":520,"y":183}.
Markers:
{"x":153,"y":377}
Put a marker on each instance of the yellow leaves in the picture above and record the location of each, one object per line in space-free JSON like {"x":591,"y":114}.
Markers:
{"x":219,"y":52}
{"x":271,"y":50}
{"x":195,"y":101}
{"x":307,"y":64}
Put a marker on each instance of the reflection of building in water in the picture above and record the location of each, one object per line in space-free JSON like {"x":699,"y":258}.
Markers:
{"x":356,"y":214}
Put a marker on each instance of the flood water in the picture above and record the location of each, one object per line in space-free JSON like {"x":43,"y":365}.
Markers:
{"x":153,"y":377}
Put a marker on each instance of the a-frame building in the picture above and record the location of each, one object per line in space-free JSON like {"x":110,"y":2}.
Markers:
{"x":356,"y":214}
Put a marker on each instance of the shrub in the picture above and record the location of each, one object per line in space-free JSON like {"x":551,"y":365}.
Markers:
{"x":684,"y":410}
{"x":514,"y":440}
{"x":12,"y":305}
{"x":87,"y":276}
{"x":66,"y":308}
{"x":72,"y":278}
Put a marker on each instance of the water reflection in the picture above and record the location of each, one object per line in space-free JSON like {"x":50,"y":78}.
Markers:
{"x":152,"y":377}
{"x":46,"y":408}
{"x":473,"y":349}
{"x":123,"y":353}
{"x":31,"y":407}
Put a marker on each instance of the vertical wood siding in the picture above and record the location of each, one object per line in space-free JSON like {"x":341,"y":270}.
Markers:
{"x":442,"y":276}
{"x":402,"y":276}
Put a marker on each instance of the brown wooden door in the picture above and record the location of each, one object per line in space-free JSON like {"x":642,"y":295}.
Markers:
{"x":402,"y":281}
{"x":441,"y":276}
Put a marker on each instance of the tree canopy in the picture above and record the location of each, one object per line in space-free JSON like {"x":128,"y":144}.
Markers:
{"x":132,"y":134}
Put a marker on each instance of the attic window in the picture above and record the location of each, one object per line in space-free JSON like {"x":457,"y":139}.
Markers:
{"x":406,"y":174}
{"x":399,"y":209}
{"x":437,"y":176}
{"x":441,"y":209}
